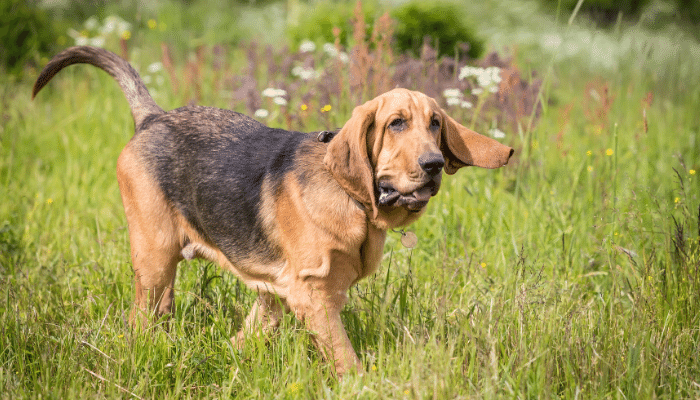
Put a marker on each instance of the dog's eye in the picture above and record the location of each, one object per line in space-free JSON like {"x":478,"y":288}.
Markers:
{"x":397,"y":124}
{"x":434,"y":123}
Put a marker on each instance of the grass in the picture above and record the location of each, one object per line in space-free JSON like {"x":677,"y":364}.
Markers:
{"x":570,"y":273}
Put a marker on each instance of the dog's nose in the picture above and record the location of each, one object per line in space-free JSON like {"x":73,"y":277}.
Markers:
{"x":431,"y":163}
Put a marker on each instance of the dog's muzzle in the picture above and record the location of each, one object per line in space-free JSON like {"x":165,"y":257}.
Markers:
{"x":414,"y":201}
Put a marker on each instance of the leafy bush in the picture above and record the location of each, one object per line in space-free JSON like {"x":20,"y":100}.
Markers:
{"x":444,"y":23}
{"x":317,"y":23}
{"x":601,"y":11}
{"x":25,"y":32}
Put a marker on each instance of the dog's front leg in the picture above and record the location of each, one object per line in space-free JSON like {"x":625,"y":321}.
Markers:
{"x":264,"y":317}
{"x":318,"y":300}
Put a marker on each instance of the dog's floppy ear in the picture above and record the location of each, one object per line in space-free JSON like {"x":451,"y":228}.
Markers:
{"x":463,"y":147}
{"x":347,"y":156}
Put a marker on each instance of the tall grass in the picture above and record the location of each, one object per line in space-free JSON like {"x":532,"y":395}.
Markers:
{"x":572,"y":272}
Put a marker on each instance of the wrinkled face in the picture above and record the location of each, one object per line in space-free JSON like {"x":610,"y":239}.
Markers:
{"x":405,"y":150}
{"x":390,"y":155}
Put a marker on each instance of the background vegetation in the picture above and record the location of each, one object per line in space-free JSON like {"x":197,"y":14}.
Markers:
{"x":573,"y":272}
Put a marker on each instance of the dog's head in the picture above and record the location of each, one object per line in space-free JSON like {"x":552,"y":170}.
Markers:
{"x":392,"y":151}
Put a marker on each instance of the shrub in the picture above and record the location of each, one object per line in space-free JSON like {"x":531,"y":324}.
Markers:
{"x":317,"y":23}
{"x":442,"y":22}
{"x":26,"y":31}
{"x":604,"y":12}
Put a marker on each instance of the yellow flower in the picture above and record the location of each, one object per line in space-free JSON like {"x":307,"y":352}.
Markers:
{"x":483,"y":265}
{"x":304,"y":107}
{"x":590,"y":168}
{"x":152,"y":24}
{"x":677,"y":200}
{"x":691,"y":172}
{"x":374,"y":367}
{"x":294,"y":387}
{"x":589,"y":153}
{"x":126,"y":35}
{"x":609,"y":152}
{"x":326,"y":108}
{"x":49,"y":201}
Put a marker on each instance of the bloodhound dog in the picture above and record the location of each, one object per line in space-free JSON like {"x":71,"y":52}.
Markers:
{"x":295,"y":216}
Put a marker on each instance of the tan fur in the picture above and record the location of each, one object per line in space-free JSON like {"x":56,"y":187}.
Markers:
{"x":330,"y":229}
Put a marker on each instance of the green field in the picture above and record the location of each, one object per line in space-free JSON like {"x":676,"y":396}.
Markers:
{"x":573,"y":272}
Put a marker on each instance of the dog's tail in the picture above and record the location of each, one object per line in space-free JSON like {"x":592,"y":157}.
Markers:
{"x":140,"y":101}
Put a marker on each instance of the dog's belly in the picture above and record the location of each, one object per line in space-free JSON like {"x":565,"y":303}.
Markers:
{"x":269,"y":277}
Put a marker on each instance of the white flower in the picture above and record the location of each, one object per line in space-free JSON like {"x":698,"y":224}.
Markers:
{"x":477,"y":91}
{"x":305,"y":73}
{"x":91,"y":23}
{"x":147,"y":79}
{"x":281,"y":101}
{"x":155,"y":67}
{"x":261,"y":113}
{"x":343,"y":57}
{"x":330,"y":49}
{"x":307,"y":46}
{"x":453,"y":101}
{"x":97,"y":41}
{"x":452,"y":93}
{"x":272,"y":92}
{"x":81,"y":41}
{"x":123,"y":26}
{"x":466,"y":104}
{"x":497,"y":133}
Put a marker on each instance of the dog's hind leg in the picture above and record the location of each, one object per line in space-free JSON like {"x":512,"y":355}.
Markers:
{"x":155,"y":242}
{"x":264,"y":317}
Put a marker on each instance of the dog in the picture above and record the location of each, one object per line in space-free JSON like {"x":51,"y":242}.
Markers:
{"x":299,"y":217}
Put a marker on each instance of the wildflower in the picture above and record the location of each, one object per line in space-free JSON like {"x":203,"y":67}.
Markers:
{"x":374,"y":367}
{"x":329,"y":48}
{"x":261,"y":113}
{"x":326,"y":108}
{"x":307,"y":46}
{"x":97,"y":41}
{"x":272,"y":92}
{"x":126,"y":35}
{"x":453,"y":101}
{"x":609,"y":152}
{"x":280,"y":101}
{"x":483,"y":265}
{"x":448,"y":93}
{"x":691,"y":172}
{"x":466,"y":104}
{"x":343,"y":57}
{"x":677,"y":200}
{"x":91,"y":23}
{"x":477,"y":91}
{"x":294,"y":387}
{"x":590,"y":169}
{"x":155,"y":67}
{"x":589,"y":153}
{"x":152,"y":24}
{"x":49,"y":201}
{"x":305,"y":73}
{"x":304,"y":107}
{"x":497,"y":133}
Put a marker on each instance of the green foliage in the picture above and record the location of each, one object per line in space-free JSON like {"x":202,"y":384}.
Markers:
{"x":443,"y":22}
{"x":319,"y":18}
{"x":573,"y":272}
{"x":26,"y":32}
{"x":601,"y":11}
{"x":689,"y":10}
